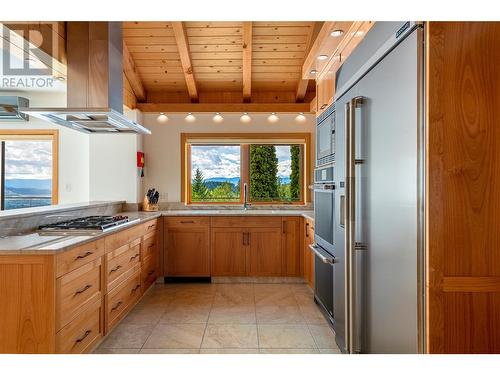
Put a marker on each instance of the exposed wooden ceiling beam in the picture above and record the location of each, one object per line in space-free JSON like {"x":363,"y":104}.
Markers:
{"x":247,"y":61}
{"x":225,"y":107}
{"x":183,"y":47}
{"x":303,"y":83}
{"x":132,"y":76}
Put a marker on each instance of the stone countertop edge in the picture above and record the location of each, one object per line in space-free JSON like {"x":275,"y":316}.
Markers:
{"x":34,"y":244}
{"x":34,"y":211}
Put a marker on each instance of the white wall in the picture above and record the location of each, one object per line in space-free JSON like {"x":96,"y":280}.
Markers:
{"x":113,"y":165}
{"x":73,"y":146}
{"x":162,"y":148}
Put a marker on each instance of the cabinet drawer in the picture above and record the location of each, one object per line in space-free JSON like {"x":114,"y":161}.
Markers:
{"x":121,"y":299}
{"x":75,"y":289}
{"x":187,"y":221}
{"x":246,"y":222}
{"x":78,"y":256}
{"x":121,"y":262}
{"x":150,"y":226}
{"x":149,"y":271}
{"x":149,"y":247}
{"x":114,"y":241}
{"x":83,"y":332}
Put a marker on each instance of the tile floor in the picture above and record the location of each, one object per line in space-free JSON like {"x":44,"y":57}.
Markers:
{"x":223,"y":318}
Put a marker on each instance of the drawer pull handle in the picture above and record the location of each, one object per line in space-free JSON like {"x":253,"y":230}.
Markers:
{"x":87,"y":332}
{"x":187,"y":222}
{"x":150,"y":246}
{"x":151,"y":272}
{"x":116,"y":306}
{"x":84,"y":255}
{"x":115,"y":269}
{"x":83,"y":289}
{"x":151,"y":226}
{"x":136,"y":287}
{"x":135,"y":256}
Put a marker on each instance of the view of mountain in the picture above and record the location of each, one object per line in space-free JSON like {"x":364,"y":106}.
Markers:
{"x":28,"y":183}
{"x":232,"y":180}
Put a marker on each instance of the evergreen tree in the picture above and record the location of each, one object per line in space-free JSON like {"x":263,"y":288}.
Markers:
{"x":263,"y":172}
{"x":295,"y":173}
{"x":199,"y":189}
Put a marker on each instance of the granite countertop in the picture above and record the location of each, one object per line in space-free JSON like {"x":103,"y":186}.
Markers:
{"x":34,"y":243}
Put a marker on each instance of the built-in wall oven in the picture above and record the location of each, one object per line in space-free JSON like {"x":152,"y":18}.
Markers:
{"x":323,"y":248}
{"x":325,"y":137}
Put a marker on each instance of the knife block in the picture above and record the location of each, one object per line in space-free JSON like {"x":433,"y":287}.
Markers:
{"x":146,"y":206}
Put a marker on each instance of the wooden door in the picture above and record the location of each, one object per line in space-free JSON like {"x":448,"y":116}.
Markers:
{"x":228,"y":252}
{"x":265,"y":252}
{"x":463,"y":212}
{"x":188,"y":251}
{"x":292,"y":265}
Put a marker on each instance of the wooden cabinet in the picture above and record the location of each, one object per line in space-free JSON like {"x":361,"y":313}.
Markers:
{"x":291,"y":246}
{"x":265,"y":252}
{"x":121,"y":262}
{"x":229,"y":252}
{"x":308,"y":254}
{"x":119,"y":301}
{"x":325,"y":90}
{"x":252,"y":249}
{"x":187,"y":246}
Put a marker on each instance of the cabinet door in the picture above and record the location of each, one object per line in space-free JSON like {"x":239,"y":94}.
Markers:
{"x":291,"y":246}
{"x":308,"y":254}
{"x":265,"y":252}
{"x":228,"y":252}
{"x":187,"y":251}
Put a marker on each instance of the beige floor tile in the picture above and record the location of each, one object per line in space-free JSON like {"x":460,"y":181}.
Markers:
{"x":301,"y":288}
{"x":234,"y":314}
{"x":128,"y":336}
{"x":230,"y":336}
{"x":312,"y":315}
{"x":305,"y":299}
{"x":115,"y":351}
{"x":145,"y":315}
{"x":234,"y":294}
{"x":175,"y":336}
{"x":330,"y":351}
{"x":285,"y":336}
{"x":185,"y":314}
{"x":229,"y":351}
{"x":169,"y":351}
{"x":279,"y":314}
{"x":323,"y":336}
{"x":289,"y":351}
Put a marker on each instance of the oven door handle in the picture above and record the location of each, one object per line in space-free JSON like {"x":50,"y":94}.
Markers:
{"x":322,"y":254}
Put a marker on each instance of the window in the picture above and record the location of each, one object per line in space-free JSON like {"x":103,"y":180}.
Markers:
{"x":28,"y":168}
{"x":273,"y":166}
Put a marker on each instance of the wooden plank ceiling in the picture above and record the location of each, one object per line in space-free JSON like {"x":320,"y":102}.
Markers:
{"x":219,"y":62}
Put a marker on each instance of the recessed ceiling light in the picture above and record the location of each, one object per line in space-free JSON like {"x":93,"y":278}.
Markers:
{"x":300,"y":117}
{"x":313,"y":71}
{"x":245,"y":118}
{"x":218,"y":118}
{"x":273,"y":117}
{"x":322,"y":57}
{"x":190,"y":117}
{"x":337,"y":33}
{"x":162,"y":117}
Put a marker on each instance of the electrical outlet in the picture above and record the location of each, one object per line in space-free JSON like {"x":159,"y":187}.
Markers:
{"x":68,"y":188}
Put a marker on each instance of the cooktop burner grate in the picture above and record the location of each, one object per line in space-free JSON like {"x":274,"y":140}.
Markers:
{"x":90,"y":223}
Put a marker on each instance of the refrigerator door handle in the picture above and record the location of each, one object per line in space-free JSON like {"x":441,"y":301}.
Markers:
{"x":354,"y":317}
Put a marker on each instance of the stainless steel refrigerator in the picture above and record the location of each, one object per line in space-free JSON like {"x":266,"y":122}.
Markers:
{"x":379,"y":209}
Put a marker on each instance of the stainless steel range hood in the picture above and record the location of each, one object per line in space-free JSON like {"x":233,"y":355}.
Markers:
{"x":9,"y":108}
{"x":95,"y":82}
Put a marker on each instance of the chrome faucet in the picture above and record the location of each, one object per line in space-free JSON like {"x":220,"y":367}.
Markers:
{"x":246,"y":205}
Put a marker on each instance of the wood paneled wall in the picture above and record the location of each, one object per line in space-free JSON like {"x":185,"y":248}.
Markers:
{"x":463,"y":281}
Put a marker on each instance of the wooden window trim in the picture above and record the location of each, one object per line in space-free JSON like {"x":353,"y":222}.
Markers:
{"x":234,"y":138}
{"x":34,"y":135}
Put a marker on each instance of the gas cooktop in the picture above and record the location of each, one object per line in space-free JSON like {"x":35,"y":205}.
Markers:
{"x":85,"y":226}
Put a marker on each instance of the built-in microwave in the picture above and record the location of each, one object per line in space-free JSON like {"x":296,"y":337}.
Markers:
{"x":325,"y":137}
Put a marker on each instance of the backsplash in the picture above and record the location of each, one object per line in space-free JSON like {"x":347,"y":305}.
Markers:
{"x":182,"y":206}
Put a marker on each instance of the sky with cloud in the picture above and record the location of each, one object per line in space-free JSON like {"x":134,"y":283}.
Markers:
{"x":224,"y":161}
{"x":28,"y":160}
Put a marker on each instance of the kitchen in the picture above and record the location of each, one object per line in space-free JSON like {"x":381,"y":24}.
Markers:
{"x":249,"y":187}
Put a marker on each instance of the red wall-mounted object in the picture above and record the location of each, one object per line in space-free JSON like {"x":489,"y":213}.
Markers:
{"x":140,"y":159}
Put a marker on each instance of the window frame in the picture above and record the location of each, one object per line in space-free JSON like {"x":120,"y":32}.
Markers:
{"x":244,"y":140}
{"x":37,"y":135}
